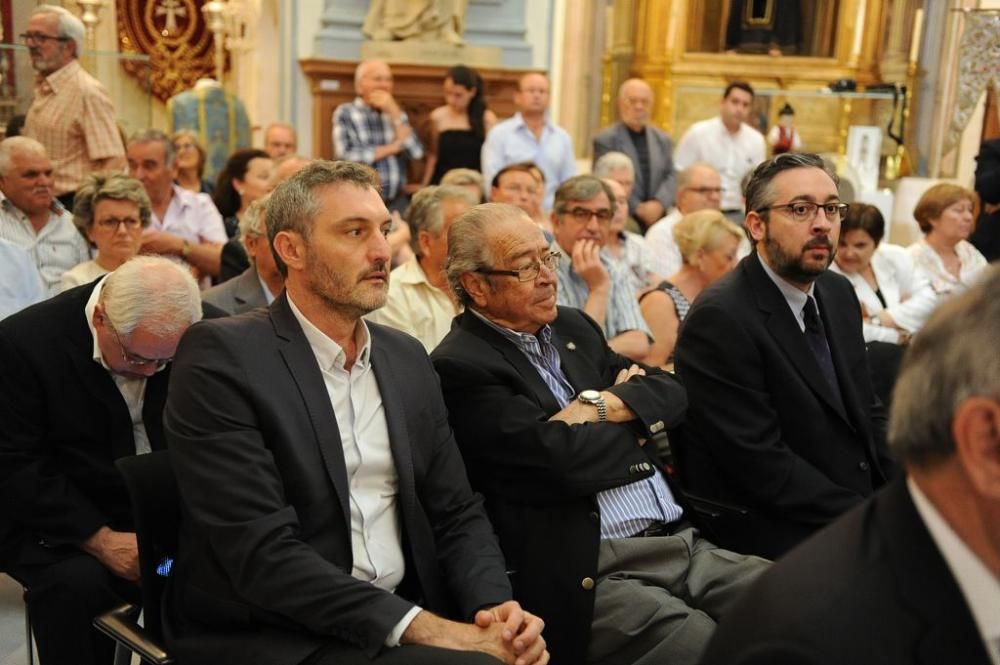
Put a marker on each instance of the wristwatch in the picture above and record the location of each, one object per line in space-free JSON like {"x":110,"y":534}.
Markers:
{"x":594,"y":398}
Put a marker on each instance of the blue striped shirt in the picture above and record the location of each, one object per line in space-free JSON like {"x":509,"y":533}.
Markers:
{"x":358,"y":129}
{"x":622,"y":314}
{"x":625,"y":510}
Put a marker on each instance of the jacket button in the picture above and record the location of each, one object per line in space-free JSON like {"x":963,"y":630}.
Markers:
{"x":587,"y":583}
{"x":595,"y":516}
{"x":863,"y":466}
{"x":646,"y":466}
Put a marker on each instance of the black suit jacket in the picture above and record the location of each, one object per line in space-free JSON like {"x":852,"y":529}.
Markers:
{"x":540,"y":478}
{"x":662,"y":183}
{"x":237,"y":295}
{"x":764,"y":430}
{"x":64,"y":423}
{"x":263,"y":572}
{"x":872,"y":589}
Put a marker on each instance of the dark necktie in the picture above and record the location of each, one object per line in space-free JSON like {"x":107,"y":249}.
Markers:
{"x":816,"y":336}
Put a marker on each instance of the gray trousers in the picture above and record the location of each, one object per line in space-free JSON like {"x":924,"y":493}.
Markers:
{"x":658,"y":599}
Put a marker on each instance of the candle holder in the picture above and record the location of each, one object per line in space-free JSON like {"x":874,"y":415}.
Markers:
{"x":90,"y":15}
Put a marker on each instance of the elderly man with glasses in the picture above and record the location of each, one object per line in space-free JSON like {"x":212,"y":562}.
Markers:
{"x":84,"y":382}
{"x":71,"y":114}
{"x":588,"y":279}
{"x":784,"y":432}
{"x":555,"y":430}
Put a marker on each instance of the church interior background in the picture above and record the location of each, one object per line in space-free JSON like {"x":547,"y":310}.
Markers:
{"x":904,"y":84}
{"x":913,"y":103}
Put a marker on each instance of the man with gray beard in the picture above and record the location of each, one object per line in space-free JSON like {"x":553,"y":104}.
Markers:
{"x":784,"y":432}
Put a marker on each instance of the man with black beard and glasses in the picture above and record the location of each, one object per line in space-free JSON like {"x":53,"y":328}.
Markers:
{"x":325,"y":511}
{"x":784,"y":432}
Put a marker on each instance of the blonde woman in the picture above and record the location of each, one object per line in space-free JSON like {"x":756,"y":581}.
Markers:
{"x":709,"y":245}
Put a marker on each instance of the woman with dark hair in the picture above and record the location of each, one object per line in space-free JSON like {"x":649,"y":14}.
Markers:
{"x":895,"y":301}
{"x":245,"y":178}
{"x":459,"y":126}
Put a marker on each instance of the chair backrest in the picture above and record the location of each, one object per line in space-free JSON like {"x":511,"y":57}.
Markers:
{"x":156,"y":510}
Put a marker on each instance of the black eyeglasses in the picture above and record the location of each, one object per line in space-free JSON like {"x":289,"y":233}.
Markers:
{"x":583,"y":215}
{"x":805,"y":211}
{"x":39,"y":37}
{"x":112,"y":223}
{"x":704,"y":190}
{"x":134,"y":359}
{"x":550,"y":261}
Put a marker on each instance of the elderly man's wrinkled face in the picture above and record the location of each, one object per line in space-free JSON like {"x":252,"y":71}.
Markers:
{"x":28,"y":182}
{"x":138,"y":354}
{"x":147,"y":163}
{"x":583,"y":220}
{"x":524,"y":305}
{"x":635,"y":103}
{"x":279,"y":141}
{"x":48,"y":50}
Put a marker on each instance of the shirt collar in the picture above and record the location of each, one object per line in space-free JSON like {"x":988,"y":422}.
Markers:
{"x":55,"y":207}
{"x":794,"y":296}
{"x":60,"y":77}
{"x":412,"y":272}
{"x":979,"y":586}
{"x":328,"y":353}
{"x":520,"y":339}
{"x":519,"y":121}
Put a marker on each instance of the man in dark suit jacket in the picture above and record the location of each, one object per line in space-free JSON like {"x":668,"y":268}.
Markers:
{"x":649,"y":148}
{"x":784,"y":429}
{"x":574,"y":488}
{"x":324,"y":507}
{"x":80,"y":387}
{"x":912,"y":575}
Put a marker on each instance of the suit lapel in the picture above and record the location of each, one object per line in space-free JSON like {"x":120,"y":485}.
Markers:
{"x":153,"y":400}
{"x":105,"y":392}
{"x":525,"y":370}
{"x":399,"y":440}
{"x":837,"y":333}
{"x":625,"y":141}
{"x":305,"y":373}
{"x":656,"y":159}
{"x":248,"y":291}
{"x":783,"y":327}
{"x":579,"y":371}
{"x":926,"y":585}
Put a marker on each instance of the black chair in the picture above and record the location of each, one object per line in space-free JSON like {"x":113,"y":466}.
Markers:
{"x":155,"y":507}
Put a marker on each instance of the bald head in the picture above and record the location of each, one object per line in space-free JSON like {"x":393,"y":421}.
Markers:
{"x":372,"y":75}
{"x":532,"y":96}
{"x":635,"y":103}
{"x":698,"y":188}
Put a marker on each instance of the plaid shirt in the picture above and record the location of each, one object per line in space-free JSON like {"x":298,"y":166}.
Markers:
{"x":73,"y":117}
{"x":358,"y":129}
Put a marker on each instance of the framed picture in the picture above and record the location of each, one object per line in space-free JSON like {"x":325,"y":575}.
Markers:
{"x":864,"y":152}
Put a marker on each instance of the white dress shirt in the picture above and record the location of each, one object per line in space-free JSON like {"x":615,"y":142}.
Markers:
{"x":930,"y":267}
{"x":732,"y":155}
{"x":978,"y":585}
{"x":133,"y":390}
{"x":192,"y":216}
{"x":20,"y":283}
{"x":663,"y":258}
{"x":416,"y":306}
{"x":376,"y":531}
{"x":56,"y":248}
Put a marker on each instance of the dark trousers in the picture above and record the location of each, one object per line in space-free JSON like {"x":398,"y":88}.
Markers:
{"x":410,"y":654}
{"x":63,"y":599}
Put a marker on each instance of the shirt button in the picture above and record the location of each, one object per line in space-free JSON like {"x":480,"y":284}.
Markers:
{"x":863,"y":466}
{"x":587,"y":583}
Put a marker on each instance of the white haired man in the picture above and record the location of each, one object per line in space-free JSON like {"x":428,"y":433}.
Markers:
{"x":258,"y":285}
{"x":71,"y":114}
{"x":30,"y":216}
{"x":280,"y":139}
{"x":84,"y":383}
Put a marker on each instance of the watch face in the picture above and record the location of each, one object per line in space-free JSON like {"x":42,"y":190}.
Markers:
{"x":590,"y":395}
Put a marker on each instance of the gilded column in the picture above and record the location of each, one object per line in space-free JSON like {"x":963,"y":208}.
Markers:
{"x":655,"y":45}
{"x":617,"y":56}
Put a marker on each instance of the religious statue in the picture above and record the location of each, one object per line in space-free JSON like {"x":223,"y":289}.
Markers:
{"x":783,"y":137}
{"x":420,"y":20}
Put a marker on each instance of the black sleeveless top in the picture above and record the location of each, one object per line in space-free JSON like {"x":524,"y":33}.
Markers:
{"x":456,"y":149}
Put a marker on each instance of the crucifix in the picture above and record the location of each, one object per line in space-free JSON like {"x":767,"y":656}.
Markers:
{"x":171,"y":9}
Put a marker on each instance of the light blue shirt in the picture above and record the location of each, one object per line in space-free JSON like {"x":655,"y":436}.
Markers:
{"x":56,"y":248}
{"x":510,"y":142}
{"x":20,"y":283}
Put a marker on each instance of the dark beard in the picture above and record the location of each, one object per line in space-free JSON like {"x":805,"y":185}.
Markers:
{"x":791,"y":267}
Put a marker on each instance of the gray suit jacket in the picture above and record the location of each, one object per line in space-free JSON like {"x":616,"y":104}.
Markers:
{"x":237,"y":295}
{"x":662,"y":175}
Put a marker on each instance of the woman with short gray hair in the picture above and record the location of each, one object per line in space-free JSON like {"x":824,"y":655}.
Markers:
{"x":110,"y":210}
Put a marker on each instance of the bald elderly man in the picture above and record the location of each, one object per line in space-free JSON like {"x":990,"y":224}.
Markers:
{"x":649,"y":148}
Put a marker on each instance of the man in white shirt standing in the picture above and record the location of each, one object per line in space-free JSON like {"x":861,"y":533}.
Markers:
{"x":327,"y":515}
{"x":913,"y":574}
{"x":30,"y":215}
{"x":531,"y":136}
{"x":728,"y":143}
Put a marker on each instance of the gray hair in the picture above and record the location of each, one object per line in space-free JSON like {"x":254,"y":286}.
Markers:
{"x":18,"y":144}
{"x":70,"y":26}
{"x":684,"y":177}
{"x":109,"y":185}
{"x":463,"y":177}
{"x":582,"y":188}
{"x":359,"y":71}
{"x":469,"y":243}
{"x":424,"y":212}
{"x":944,"y":366}
{"x":152,"y":291}
{"x":758,"y":192}
{"x":253,"y":223}
{"x":156,"y":136}
{"x":293,"y":205}
{"x":610,"y":162}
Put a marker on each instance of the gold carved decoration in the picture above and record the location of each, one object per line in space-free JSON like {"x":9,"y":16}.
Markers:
{"x":174,"y":35}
